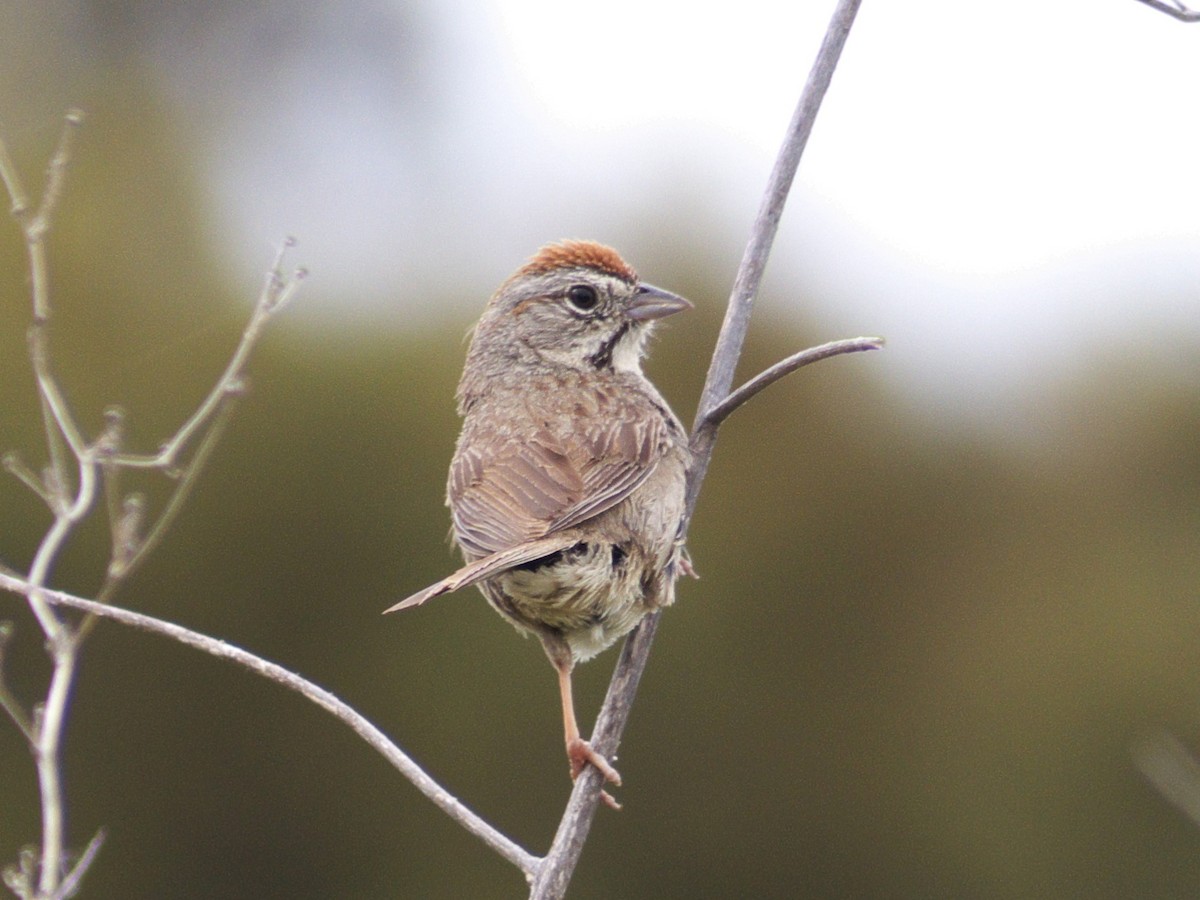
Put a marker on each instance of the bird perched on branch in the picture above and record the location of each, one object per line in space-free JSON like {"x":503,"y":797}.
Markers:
{"x":567,"y":485}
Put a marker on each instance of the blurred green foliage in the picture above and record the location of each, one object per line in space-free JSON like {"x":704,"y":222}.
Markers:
{"x":914,"y":665}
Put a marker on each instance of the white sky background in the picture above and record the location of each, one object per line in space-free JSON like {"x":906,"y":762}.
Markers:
{"x":1002,"y":190}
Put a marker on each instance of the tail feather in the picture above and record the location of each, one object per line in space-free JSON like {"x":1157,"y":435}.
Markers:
{"x":490,"y":565}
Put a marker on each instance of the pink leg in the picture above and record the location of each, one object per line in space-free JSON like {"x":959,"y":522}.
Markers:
{"x":579,"y":751}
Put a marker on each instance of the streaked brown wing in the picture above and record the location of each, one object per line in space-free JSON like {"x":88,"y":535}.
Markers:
{"x":506,"y":491}
{"x":619,"y":456}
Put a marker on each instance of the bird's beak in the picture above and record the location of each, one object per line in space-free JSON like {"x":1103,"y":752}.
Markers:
{"x":654,"y":303}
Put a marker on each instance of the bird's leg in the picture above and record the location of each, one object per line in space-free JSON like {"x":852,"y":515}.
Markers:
{"x":579,"y":751}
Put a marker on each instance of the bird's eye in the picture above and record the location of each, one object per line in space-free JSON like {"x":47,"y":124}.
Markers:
{"x":583,"y":297}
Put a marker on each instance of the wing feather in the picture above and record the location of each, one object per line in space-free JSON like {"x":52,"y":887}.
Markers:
{"x":528,"y":481}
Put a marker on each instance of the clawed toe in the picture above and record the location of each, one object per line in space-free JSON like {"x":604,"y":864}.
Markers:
{"x":580,"y":753}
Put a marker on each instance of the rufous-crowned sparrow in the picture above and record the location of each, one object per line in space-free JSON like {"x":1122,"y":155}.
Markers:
{"x":567,"y":485}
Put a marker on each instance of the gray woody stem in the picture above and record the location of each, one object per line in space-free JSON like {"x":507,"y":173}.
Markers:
{"x":67,"y":508}
{"x":564,"y":853}
{"x":522,"y":859}
{"x":78,"y":470}
{"x":764,"y":379}
{"x":1174,"y":8}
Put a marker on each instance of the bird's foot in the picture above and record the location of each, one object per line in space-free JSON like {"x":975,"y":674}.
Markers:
{"x":580,"y":754}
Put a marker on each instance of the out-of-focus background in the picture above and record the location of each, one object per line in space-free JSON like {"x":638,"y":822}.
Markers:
{"x":946,"y":587}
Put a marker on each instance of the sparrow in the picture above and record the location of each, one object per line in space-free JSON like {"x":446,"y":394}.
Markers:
{"x":566,"y":490}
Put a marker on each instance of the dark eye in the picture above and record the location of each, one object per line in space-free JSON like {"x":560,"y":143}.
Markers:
{"x":583,"y":297}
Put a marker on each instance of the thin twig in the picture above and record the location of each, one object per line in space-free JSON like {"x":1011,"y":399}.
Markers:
{"x":35,"y":224}
{"x":521,"y":858}
{"x":12,"y":707}
{"x":276,"y":293}
{"x":122,"y":567}
{"x":50,"y":724}
{"x":68,"y":505}
{"x":57,"y":419}
{"x":111,"y":443}
{"x":1172,"y":769}
{"x":8,"y":700}
{"x":70,"y":500}
{"x":13,"y":185}
{"x":65,"y":520}
{"x":56,"y":171}
{"x":576,"y":822}
{"x":60,"y":424}
{"x":762,"y":236}
{"x":1175,"y":9}
{"x":74,"y":878}
{"x":719,"y":413}
{"x":15,"y":466}
{"x":568,"y":843}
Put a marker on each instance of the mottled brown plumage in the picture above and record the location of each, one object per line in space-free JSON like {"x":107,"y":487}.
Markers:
{"x":566,"y":487}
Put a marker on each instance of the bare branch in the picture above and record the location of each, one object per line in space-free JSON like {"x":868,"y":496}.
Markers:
{"x":122,"y":566}
{"x":70,"y":499}
{"x":521,"y":858}
{"x":49,"y":726}
{"x":56,"y":173}
{"x":719,"y":413}
{"x":12,"y":708}
{"x":54,"y":405}
{"x":13,"y":185}
{"x":109,"y":444}
{"x":568,"y":843}
{"x":576,"y":822}
{"x":74,"y":878}
{"x":15,"y":466}
{"x":20,"y":878}
{"x":8,"y":700}
{"x":276,"y":293}
{"x":762,"y":236}
{"x":1173,"y":770}
{"x":68,"y":506}
{"x":34,"y":225}
{"x":758,"y":248}
{"x":1173,"y":8}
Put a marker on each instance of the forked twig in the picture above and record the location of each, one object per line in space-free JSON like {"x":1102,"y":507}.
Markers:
{"x":71,"y":883}
{"x":79,"y":469}
{"x":715,"y":405}
{"x":277,"y":292}
{"x":719,"y":413}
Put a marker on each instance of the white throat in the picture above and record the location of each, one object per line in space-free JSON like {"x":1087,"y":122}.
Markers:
{"x":627,"y":354}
